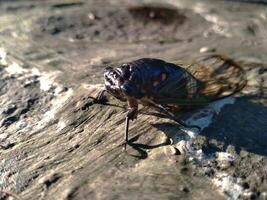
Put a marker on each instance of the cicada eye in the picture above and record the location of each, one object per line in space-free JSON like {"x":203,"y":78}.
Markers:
{"x":107,"y":69}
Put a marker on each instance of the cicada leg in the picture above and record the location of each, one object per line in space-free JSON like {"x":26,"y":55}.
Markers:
{"x":131,"y":115}
{"x":101,"y":96}
{"x":171,"y":116}
{"x":126,"y":131}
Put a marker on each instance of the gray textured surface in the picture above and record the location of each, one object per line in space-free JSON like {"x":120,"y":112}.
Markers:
{"x":55,"y":143}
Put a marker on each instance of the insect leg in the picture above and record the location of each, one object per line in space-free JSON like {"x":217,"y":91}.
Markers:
{"x":101,"y":96}
{"x":171,"y":116}
{"x":131,"y":115}
{"x":126,"y":131}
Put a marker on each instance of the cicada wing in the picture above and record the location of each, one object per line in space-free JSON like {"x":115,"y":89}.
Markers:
{"x":213,"y":77}
{"x":221,"y":76}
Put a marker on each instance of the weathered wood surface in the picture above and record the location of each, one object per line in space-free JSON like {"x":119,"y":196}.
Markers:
{"x":56,"y":143}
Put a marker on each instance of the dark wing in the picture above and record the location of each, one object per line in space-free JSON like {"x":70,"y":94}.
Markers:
{"x":209,"y":78}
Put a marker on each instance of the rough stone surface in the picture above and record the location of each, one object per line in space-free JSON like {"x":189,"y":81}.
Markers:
{"x":57,"y":142}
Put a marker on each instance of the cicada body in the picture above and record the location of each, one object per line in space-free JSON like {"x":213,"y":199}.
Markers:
{"x":166,"y":86}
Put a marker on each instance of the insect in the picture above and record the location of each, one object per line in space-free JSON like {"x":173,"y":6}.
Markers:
{"x":167,"y":86}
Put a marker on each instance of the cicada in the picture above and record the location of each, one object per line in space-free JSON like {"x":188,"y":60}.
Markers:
{"x":167,"y":86}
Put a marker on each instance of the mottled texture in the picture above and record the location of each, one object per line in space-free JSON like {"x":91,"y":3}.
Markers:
{"x":57,"y":142}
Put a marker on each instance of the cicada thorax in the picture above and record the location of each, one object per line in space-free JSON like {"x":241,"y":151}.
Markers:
{"x":159,"y":82}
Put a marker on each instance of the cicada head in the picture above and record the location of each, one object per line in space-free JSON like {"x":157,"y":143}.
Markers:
{"x":121,"y":82}
{"x":114,"y":80}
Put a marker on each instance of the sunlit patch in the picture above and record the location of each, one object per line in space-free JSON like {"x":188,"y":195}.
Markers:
{"x":15,"y":68}
{"x":163,"y":76}
{"x":3,"y":54}
{"x":226,"y":183}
